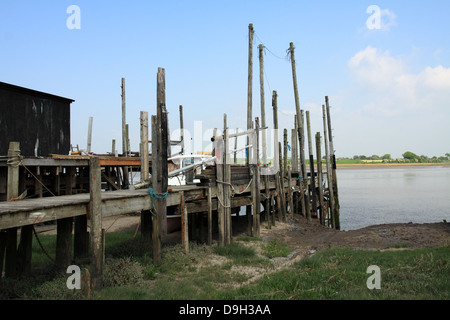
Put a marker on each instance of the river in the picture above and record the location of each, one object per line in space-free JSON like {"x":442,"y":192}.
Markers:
{"x":393,"y":195}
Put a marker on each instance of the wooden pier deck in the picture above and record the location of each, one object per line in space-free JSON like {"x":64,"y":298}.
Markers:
{"x":40,"y":210}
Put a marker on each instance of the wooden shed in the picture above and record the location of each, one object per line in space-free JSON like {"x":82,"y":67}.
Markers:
{"x":39,"y":121}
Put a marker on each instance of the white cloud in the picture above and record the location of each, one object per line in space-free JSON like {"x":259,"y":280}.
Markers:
{"x":388,"y":19}
{"x":390,"y":108}
{"x":391,"y":89}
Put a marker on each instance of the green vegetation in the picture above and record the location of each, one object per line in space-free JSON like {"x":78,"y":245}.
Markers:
{"x":236,"y":272}
{"x":408,"y":157}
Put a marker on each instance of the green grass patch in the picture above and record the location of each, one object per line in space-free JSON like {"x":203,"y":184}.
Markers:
{"x":341,"y":274}
{"x":214,"y":273}
{"x":275,"y":248}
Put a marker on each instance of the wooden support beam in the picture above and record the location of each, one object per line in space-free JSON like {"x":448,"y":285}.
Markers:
{"x":95,"y":215}
{"x":144,"y":146}
{"x":12,"y":192}
{"x":312,"y":183}
{"x":184,"y":224}
{"x":160,"y":156}
{"x":333,"y":168}
{"x":319,"y":179}
{"x":63,"y":257}
{"x":210,"y":217}
{"x":227,"y":181}
{"x":256,"y":183}
{"x":328,"y":166}
{"x":290,"y":194}
{"x":156,"y":235}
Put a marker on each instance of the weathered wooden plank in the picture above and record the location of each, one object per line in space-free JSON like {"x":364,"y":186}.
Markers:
{"x":95,"y":213}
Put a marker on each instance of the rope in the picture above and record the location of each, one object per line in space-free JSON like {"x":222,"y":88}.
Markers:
{"x":154,"y":195}
{"x":40,"y":244}
{"x":21,"y":163}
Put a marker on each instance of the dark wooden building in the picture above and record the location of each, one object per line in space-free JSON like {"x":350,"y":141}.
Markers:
{"x":39,"y":121}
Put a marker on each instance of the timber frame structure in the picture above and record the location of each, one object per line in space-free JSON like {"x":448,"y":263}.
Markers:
{"x":79,"y":191}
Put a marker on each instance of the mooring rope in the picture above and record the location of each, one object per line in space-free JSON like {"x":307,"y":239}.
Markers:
{"x":154,"y":195}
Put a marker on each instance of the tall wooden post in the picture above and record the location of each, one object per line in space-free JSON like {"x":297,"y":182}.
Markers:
{"x":184,"y":224}
{"x":264,"y":132}
{"x":319,"y":179}
{"x":256,"y":183}
{"x":144,"y":146}
{"x":161,"y":155}
{"x":219,"y":152}
{"x":124,"y":134}
{"x":182,"y":145}
{"x":333,"y":168}
{"x":250,"y":76}
{"x":328,"y":166}
{"x":95,"y":213}
{"x":226,"y":179}
{"x":300,"y":129}
{"x":156,"y":236}
{"x":146,"y":218}
{"x":12,"y":191}
{"x":312,"y":184}
{"x":89,"y":140}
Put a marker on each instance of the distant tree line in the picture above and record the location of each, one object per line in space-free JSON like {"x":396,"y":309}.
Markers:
{"x":408,"y":157}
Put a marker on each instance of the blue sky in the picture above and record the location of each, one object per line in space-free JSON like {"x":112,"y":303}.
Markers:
{"x":389,"y":87}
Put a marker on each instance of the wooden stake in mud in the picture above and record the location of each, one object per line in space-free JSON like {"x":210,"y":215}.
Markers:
{"x":184,"y":224}
{"x":95,"y":213}
{"x":312,"y":184}
{"x":144,"y":146}
{"x":333,"y":168}
{"x":329,"y":173}
{"x":12,"y":191}
{"x":146,"y":217}
{"x":264,"y":133}
{"x":161,"y":156}
{"x":300,"y":129}
{"x":256,"y":183}
{"x":226,"y":181}
{"x":156,"y":236}
{"x":319,"y":179}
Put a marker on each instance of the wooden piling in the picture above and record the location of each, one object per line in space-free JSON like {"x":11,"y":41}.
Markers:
{"x":312,"y":184}
{"x":256,"y":184}
{"x":333,"y":168}
{"x":264,"y":132}
{"x":210,"y":216}
{"x":319,"y":179}
{"x":89,"y":140}
{"x":124,"y":134}
{"x":328,"y":166}
{"x":146,"y":218}
{"x":184,"y":224}
{"x":220,"y":190}
{"x":12,"y":192}
{"x":144,"y":146}
{"x":226,"y":181}
{"x":95,"y":214}
{"x":160,"y":157}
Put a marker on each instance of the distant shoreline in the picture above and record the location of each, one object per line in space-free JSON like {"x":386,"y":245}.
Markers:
{"x":387,"y":165}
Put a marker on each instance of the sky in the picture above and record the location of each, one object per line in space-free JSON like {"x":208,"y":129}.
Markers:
{"x":385,"y":66}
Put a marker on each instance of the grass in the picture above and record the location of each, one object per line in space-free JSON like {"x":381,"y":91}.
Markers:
{"x":220,"y":273}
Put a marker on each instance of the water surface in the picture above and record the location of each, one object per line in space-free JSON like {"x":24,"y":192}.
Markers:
{"x":393,"y":195}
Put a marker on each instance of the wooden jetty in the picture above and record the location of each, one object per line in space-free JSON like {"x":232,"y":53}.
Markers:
{"x":78,"y":191}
